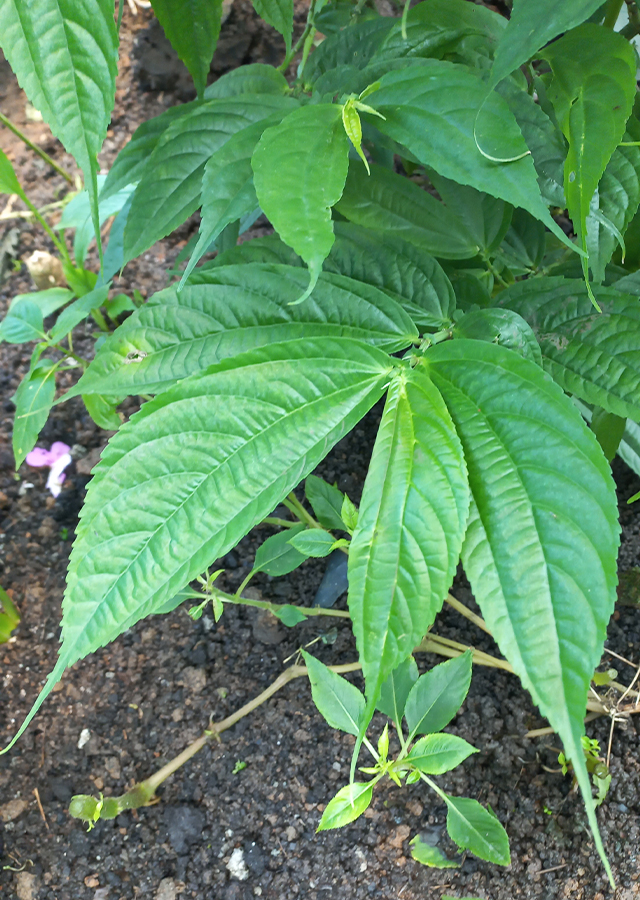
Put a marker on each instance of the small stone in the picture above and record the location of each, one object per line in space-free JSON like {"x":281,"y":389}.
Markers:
{"x":399,"y":836}
{"x":237,"y":866}
{"x":195,"y":680}
{"x":166,"y":890}
{"x":48,"y":528}
{"x":267,"y":628}
{"x":177,"y":715}
{"x":102,"y":893}
{"x":291,"y":833}
{"x":26,"y":886}
{"x":4,"y":500}
{"x":254,"y":858}
{"x":91,"y":881}
{"x":112,"y":765}
{"x":11,"y":810}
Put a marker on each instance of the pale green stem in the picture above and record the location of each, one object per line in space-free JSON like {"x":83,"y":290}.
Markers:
{"x":612,"y":13}
{"x":45,"y":156}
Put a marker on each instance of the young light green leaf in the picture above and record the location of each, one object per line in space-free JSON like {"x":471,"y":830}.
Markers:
{"x":289,"y":615}
{"x":556,"y":513}
{"x":22,"y":324}
{"x":192,"y":27}
{"x":236,"y":438}
{"x":338,"y":701}
{"x":430,"y":856}
{"x":533,"y":24}
{"x":349,"y":514}
{"x":33,"y":401}
{"x":595,"y":356}
{"x":432,"y":109}
{"x":474,"y":828}
{"x":439,"y":753}
{"x":255,"y":78}
{"x":102,"y":411}
{"x":300,"y":168}
{"x":65,"y":56}
{"x":592,"y":91}
{"x":406,"y":545}
{"x":395,"y":689}
{"x":437,"y":695}
{"x":170,"y":187}
{"x":385,"y":202}
{"x":48,"y":300}
{"x":326,"y":501}
{"x":500,"y":326}
{"x":9,"y":616}
{"x":313,"y":542}
{"x":347,"y":805}
{"x":9,"y":183}
{"x":279,"y":14}
{"x":276,"y":556}
{"x":77,"y":311}
{"x":227,"y":310}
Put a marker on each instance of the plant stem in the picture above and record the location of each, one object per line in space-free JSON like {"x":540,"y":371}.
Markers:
{"x":433,"y":643}
{"x":99,"y":319}
{"x":612,"y":13}
{"x":273,"y":520}
{"x":293,"y":505}
{"x":45,"y":156}
{"x":58,"y":243}
{"x":265,"y":604}
{"x":462,"y":609}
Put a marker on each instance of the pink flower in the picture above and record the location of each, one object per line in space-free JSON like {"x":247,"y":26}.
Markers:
{"x":58,"y":458}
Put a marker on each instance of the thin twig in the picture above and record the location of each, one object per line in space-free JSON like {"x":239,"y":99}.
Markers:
{"x":45,"y":156}
{"x":553,"y":869}
{"x":44,"y":818}
{"x":464,"y":611}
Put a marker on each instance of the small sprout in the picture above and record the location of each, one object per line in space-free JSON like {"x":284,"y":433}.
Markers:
{"x":239,"y":766}
{"x":412,"y":777}
{"x":349,"y":514}
{"x":383,"y":744}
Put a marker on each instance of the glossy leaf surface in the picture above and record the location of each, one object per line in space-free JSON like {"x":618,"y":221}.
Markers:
{"x":276,"y":556}
{"x":338,"y":701}
{"x":439,"y":753}
{"x":314,"y":542}
{"x":474,"y":828}
{"x":347,"y":805}
{"x":500,"y":326}
{"x":437,"y":695}
{"x":395,"y":689}
{"x":326,"y":501}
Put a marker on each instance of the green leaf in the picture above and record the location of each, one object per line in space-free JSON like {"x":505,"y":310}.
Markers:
{"x":609,"y":430}
{"x":326,"y":501}
{"x":78,"y":215}
{"x":500,"y":326}
{"x":439,"y":753}
{"x":22,"y":324}
{"x":102,"y":411}
{"x":33,"y":401}
{"x":595,"y":356}
{"x":276,"y":556}
{"x":386,"y":202}
{"x":230,"y":310}
{"x":300,"y":168}
{"x":414,"y":278}
{"x":236,"y":439}
{"x":9,"y":183}
{"x":543,"y":530}
{"x":338,"y":701}
{"x":430,"y":856}
{"x":65,"y":54}
{"x":533,"y":24}
{"x":432,"y":109}
{"x":349,"y":514}
{"x":485,"y":218}
{"x":170,"y":186}
{"x":77,"y":311}
{"x":355,"y":46}
{"x":192,"y":27}
{"x":406,"y":545}
{"x":522,"y":249}
{"x":592,"y":91}
{"x":437,"y":695}
{"x":395,"y":689}
{"x":347,"y":805}
{"x":256,"y":78}
{"x":313,"y":542}
{"x":279,"y":14}
{"x":48,"y":300}
{"x":474,"y":828}
{"x":289,"y":615}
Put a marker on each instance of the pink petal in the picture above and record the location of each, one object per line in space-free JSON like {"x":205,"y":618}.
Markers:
{"x":39,"y":457}
{"x":58,"y":449}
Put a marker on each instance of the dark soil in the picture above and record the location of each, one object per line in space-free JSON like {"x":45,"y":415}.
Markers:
{"x":131,"y":707}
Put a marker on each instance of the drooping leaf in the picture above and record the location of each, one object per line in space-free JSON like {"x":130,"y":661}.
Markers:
{"x":432,"y":109}
{"x":474,"y":828}
{"x":276,"y":556}
{"x":236,"y":439}
{"x":595,"y":356}
{"x":314,"y":542}
{"x":347,"y":805}
{"x":192,"y":27}
{"x":300,"y":168}
{"x":255,"y":78}
{"x":102,"y":411}
{"x":338,"y":701}
{"x":386,"y":202}
{"x":533,"y":23}
{"x":593,"y":89}
{"x":406,"y":544}
{"x":395,"y":689}
{"x":279,"y":14}
{"x":543,"y":529}
{"x":500,"y":326}
{"x":33,"y":401}
{"x":232,"y":309}
{"x":430,"y":856}
{"x":170,"y":187}
{"x":437,"y":695}
{"x":439,"y":753}
{"x":64,"y":54}
{"x":326,"y":501}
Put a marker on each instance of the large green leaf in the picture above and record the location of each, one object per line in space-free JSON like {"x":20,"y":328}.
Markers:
{"x":595,"y":356}
{"x":192,"y":27}
{"x":385,"y":202}
{"x":542,"y":537}
{"x":351,"y":48}
{"x":65,"y":55}
{"x":300,"y":168}
{"x":533,"y":24}
{"x":169,"y":190}
{"x":233,"y":309}
{"x":196,"y":469}
{"x":406,"y":545}
{"x":486,"y":218}
{"x":500,"y":326}
{"x":279,"y":14}
{"x":592,"y":91}
{"x":474,"y":828}
{"x":255,"y":78}
{"x":432,"y":110}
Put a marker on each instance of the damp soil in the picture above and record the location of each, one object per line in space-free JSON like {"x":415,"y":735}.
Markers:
{"x":238,"y":821}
